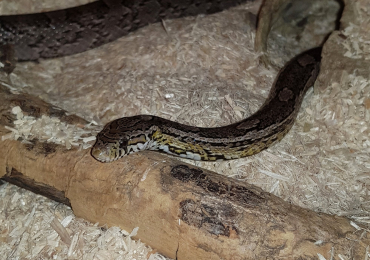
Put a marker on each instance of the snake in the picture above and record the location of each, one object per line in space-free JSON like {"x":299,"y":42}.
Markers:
{"x":31,"y":37}
{"x":78,"y":29}
{"x":250,"y":136}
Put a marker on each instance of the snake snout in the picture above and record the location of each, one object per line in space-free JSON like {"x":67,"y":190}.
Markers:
{"x":101,"y":155}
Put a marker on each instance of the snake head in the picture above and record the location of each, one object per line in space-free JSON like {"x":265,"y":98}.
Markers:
{"x":123,"y":136}
{"x":107,"y":150}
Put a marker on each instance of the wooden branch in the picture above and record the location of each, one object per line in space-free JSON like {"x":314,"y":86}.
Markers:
{"x":183,"y":211}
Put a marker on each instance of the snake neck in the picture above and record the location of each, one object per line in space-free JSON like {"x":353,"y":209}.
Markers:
{"x":197,"y":146}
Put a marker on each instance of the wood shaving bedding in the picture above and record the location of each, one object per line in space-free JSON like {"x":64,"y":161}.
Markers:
{"x":203,"y":71}
{"x":34,"y":227}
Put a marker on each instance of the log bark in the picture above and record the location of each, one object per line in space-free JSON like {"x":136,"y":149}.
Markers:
{"x":183,"y":211}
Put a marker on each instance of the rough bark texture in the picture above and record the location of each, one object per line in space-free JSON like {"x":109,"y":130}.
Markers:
{"x":183,"y":211}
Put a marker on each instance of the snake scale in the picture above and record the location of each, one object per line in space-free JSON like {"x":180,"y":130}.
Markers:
{"x":74,"y":30}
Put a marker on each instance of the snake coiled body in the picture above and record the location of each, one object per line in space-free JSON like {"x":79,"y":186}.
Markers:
{"x":259,"y":131}
{"x":74,"y":30}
